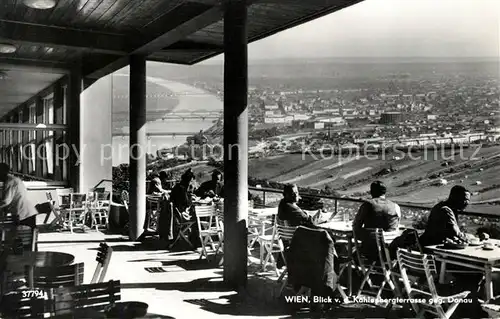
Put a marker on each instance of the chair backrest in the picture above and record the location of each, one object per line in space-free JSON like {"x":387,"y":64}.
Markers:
{"x":103,"y":196}
{"x":125,"y":199}
{"x":61,"y":276}
{"x":63,"y":197}
{"x":96,"y":296}
{"x":28,"y":236}
{"x":382,"y":239}
{"x":205,"y":210}
{"x":25,"y":234}
{"x":103,"y":258}
{"x":78,"y":200}
{"x":283,"y":231}
{"x":417,"y":264}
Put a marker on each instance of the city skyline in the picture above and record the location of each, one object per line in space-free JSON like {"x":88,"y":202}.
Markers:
{"x":391,"y":28}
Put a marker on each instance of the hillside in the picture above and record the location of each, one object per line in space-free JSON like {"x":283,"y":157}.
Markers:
{"x":409,"y":180}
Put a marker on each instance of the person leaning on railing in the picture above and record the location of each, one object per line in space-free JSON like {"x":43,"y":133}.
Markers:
{"x":15,"y":198}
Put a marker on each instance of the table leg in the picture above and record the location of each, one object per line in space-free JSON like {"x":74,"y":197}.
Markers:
{"x":442,"y":272}
{"x":31,"y":279}
{"x":488,"y":283}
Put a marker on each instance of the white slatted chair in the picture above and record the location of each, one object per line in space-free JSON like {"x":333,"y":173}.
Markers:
{"x":284,"y":233}
{"x":99,"y":209}
{"x":422,"y":264}
{"x":271,"y":244}
{"x":219,"y":222}
{"x":383,"y":267}
{"x":77,"y":211}
{"x":205,"y":217}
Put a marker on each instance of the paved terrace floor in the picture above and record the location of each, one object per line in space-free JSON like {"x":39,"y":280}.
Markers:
{"x":179,"y":285}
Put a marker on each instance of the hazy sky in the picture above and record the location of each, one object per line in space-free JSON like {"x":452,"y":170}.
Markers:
{"x":393,"y":28}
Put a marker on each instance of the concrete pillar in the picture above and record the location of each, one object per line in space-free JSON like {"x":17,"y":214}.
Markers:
{"x":58,"y":119}
{"x":96,"y":163}
{"x":138,"y":143}
{"x":39,"y":152}
{"x":75,"y":88}
{"x":235,"y":144}
{"x":26,"y":139}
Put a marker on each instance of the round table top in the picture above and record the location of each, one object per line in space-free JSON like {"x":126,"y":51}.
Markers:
{"x":41,"y":259}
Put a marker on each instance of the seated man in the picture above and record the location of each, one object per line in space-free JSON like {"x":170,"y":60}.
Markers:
{"x":442,"y":222}
{"x":15,"y":199}
{"x":290,"y":212}
{"x":377,"y":212}
{"x":213,"y":187}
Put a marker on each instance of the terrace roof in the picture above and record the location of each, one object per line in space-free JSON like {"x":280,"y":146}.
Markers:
{"x":99,"y":35}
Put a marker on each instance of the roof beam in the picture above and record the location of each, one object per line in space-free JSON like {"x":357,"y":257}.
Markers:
{"x":191,"y":46}
{"x":33,"y":65}
{"x":52,"y":36}
{"x":167,"y":30}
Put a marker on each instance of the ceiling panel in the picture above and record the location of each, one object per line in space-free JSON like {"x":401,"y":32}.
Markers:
{"x":13,"y":94}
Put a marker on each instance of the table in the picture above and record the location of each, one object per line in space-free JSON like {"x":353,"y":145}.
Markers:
{"x":474,"y":257}
{"x":32,"y":259}
{"x":343,"y":229}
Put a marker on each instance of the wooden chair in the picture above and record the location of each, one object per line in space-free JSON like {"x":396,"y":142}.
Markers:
{"x":274,"y":244}
{"x":77,"y":212}
{"x":411,"y":263}
{"x":219,"y":220}
{"x":103,"y":258}
{"x":100,"y":209}
{"x":153,"y":204}
{"x":383,"y":268}
{"x":29,"y":237}
{"x":99,"y":296}
{"x":20,"y":304}
{"x":207,"y":228}
{"x":183,"y":226}
{"x":54,"y":277}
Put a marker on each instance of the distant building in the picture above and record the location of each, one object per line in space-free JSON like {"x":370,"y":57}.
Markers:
{"x":391,"y":118}
{"x":314,"y":125}
{"x":271,"y":107}
{"x":301,"y":117}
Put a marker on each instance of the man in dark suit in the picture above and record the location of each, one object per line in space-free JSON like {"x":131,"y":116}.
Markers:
{"x":290,"y":212}
{"x":442,"y":222}
{"x":377,"y":212}
{"x":213,"y":187}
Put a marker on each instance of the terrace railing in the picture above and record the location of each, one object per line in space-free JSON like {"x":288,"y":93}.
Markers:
{"x":412,"y":214}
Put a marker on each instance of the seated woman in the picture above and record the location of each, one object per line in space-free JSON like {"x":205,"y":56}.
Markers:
{"x":181,"y":198}
{"x":181,"y":195}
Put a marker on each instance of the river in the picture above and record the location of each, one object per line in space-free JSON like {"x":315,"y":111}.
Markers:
{"x":190,"y":99}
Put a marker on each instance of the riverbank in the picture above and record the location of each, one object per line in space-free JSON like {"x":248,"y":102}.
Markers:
{"x":187,"y":98}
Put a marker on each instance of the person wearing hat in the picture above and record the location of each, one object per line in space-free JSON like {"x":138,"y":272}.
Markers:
{"x":377,"y":212}
{"x":443,"y":218}
{"x":213,"y":187}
